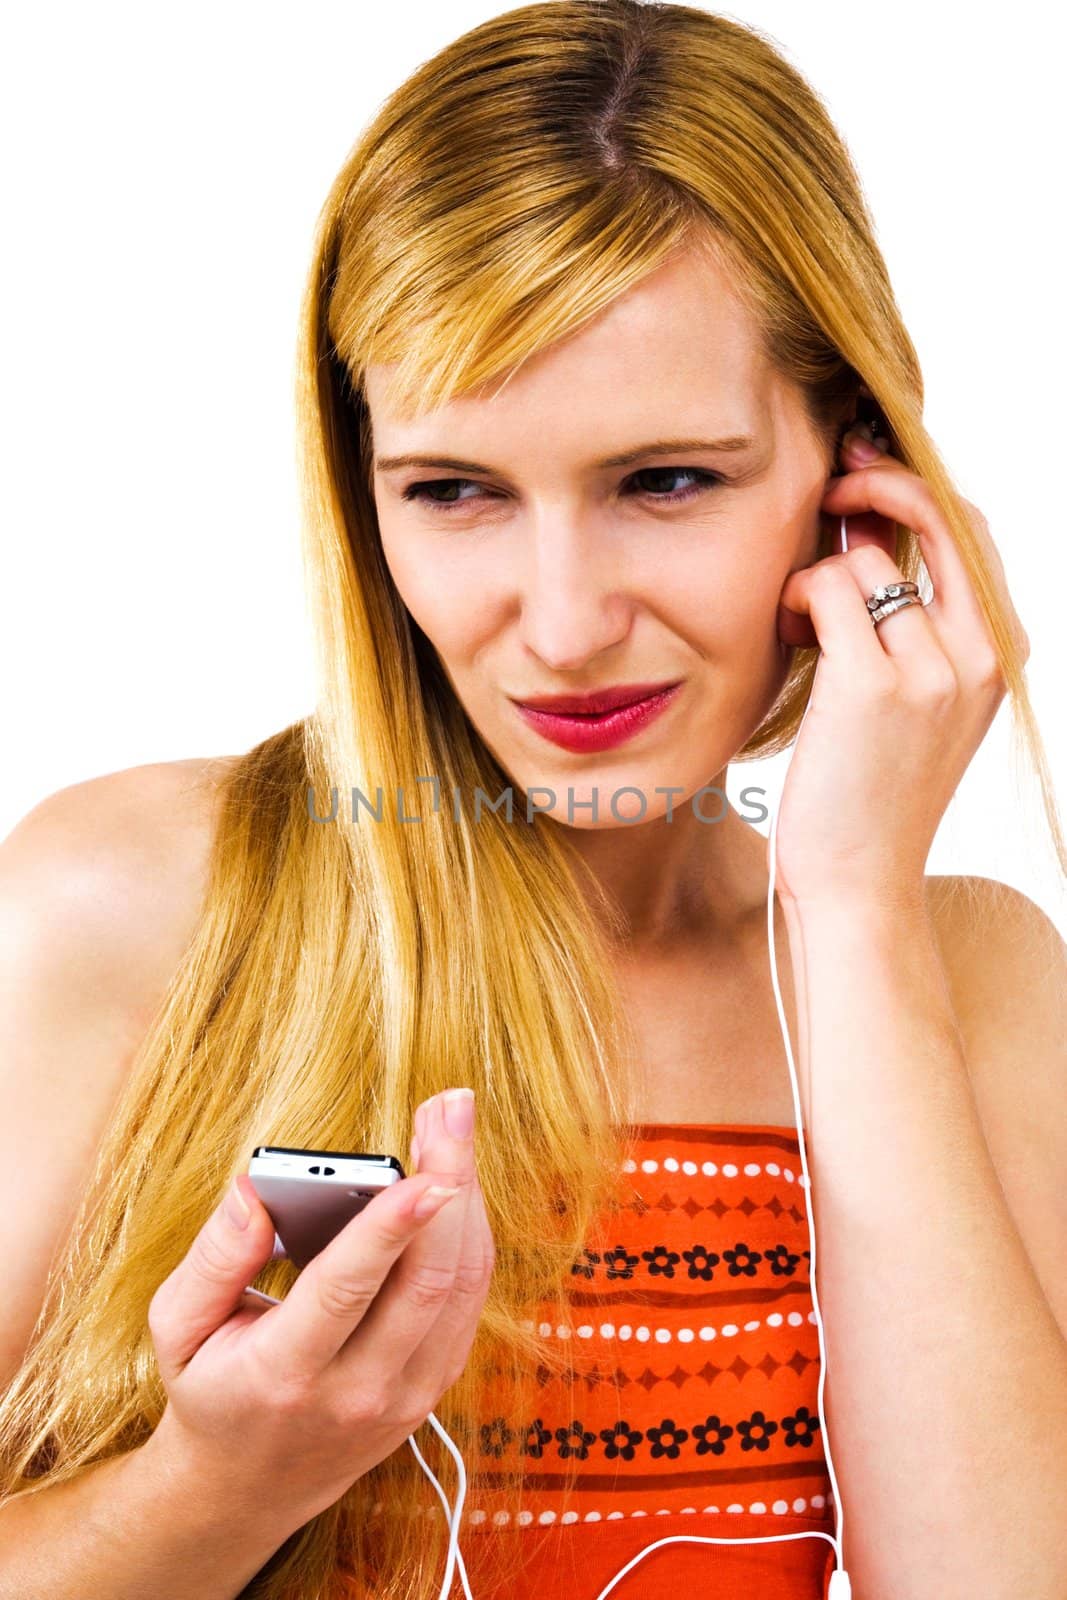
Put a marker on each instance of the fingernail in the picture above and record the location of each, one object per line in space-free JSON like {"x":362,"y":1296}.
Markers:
{"x":434,"y":1198}
{"x":863,"y":449}
{"x":236,"y":1207}
{"x":415,"y":1148}
{"x":459,"y":1113}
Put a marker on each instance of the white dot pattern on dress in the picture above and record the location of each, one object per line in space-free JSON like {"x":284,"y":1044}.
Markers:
{"x":477,"y":1516}
{"x":730,"y":1169}
{"x":608,"y":1330}
{"x":546,"y":1517}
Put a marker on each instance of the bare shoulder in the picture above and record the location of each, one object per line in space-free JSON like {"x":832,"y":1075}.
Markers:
{"x":115,"y":866}
{"x":1004,"y":956}
{"x":101,"y":887}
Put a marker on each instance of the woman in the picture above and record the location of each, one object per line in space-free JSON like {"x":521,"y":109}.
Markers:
{"x":594,"y":311}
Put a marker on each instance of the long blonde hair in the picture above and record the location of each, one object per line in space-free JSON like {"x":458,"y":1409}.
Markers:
{"x":513,"y":187}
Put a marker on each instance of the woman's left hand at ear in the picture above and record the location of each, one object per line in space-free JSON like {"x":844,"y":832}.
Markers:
{"x":897,"y":711}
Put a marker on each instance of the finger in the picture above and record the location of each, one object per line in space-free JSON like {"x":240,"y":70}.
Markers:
{"x":408,"y":1310}
{"x":208,"y":1284}
{"x":795,"y":628}
{"x":850,"y":533}
{"x":420,"y":1131}
{"x":335,"y":1293}
{"x":420,"y":1117}
{"x":443,"y":1353}
{"x":858,"y":450}
{"x":861,"y":527}
{"x":953,"y":610}
{"x":826,"y":593}
{"x":891,"y":489}
{"x":864,"y":528}
{"x":908,"y":635}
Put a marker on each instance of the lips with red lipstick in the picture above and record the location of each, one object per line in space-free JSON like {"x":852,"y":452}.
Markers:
{"x":600,"y":720}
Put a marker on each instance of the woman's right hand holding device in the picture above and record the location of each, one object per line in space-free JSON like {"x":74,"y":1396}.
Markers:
{"x":298,"y":1400}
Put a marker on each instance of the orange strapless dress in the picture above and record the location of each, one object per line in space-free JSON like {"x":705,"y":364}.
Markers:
{"x":694,"y":1409}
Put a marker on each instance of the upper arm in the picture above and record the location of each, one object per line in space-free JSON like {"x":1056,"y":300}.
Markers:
{"x":99,"y":890}
{"x":1007,"y":968}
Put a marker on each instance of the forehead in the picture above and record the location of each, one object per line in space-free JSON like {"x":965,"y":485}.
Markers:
{"x":681,"y":340}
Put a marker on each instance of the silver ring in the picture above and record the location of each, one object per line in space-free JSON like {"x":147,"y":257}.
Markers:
{"x":899,"y":603}
{"x":890,"y":591}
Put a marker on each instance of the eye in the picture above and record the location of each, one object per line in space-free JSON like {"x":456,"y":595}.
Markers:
{"x":703,"y":481}
{"x":450,"y":487}
{"x":420,"y":491}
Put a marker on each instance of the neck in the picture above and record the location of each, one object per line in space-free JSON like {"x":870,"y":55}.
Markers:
{"x":670,"y":881}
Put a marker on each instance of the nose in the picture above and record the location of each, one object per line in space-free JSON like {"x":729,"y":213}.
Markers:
{"x":574,"y":602}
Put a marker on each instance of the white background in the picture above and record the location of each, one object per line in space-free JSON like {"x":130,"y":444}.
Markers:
{"x":164,"y":166}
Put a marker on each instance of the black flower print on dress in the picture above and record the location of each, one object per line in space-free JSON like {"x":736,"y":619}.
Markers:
{"x":711,"y":1436}
{"x":801,"y":1428}
{"x":496,"y":1436}
{"x":742,"y":1259}
{"x":783,"y":1263}
{"x":661,"y":1261}
{"x":619,"y":1263}
{"x":667,"y":1439}
{"x":620,"y":1441}
{"x":757,"y":1432}
{"x":537,"y":1436}
{"x":586,"y":1267}
{"x":574,"y":1441}
{"x":702,"y":1261}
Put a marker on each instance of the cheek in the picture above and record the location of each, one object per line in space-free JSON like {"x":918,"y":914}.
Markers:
{"x":724,"y":600}
{"x":438,"y":596}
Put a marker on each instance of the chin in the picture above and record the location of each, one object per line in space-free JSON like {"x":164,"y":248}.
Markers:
{"x":625,"y":801}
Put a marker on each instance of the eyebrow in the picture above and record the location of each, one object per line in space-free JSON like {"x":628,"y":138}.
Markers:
{"x":658,"y":447}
